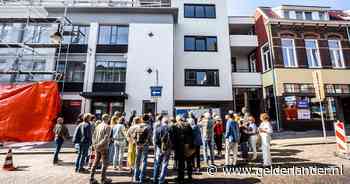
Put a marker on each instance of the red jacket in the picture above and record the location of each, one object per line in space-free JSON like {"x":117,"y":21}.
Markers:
{"x":218,"y":128}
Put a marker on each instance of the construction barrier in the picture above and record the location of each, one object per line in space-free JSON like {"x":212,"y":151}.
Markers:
{"x":8,"y":164}
{"x":342,"y":149}
{"x":28,"y":111}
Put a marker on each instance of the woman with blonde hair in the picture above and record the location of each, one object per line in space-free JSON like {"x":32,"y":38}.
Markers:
{"x":132,"y":145}
{"x":265,"y":131}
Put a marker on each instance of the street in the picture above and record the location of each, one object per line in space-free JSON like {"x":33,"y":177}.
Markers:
{"x":38,"y":169}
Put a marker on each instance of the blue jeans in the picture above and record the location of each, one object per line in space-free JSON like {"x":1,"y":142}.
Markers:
{"x":82,"y":154}
{"x":208,"y":146}
{"x":161,"y":163}
{"x":141,"y":156}
{"x":244,"y":149}
{"x":59,"y":143}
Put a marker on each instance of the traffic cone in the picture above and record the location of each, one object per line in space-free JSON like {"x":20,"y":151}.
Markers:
{"x":8,"y":165}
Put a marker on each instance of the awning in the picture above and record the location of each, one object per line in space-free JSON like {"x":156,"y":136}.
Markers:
{"x":104,"y":95}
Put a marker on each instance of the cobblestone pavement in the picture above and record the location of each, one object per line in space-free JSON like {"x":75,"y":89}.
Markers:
{"x":37,"y":168}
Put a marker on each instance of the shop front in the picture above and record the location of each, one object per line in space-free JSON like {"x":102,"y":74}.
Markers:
{"x":300,"y":109}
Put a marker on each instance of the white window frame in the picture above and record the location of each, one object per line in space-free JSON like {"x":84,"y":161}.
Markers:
{"x":252,"y":63}
{"x":263,"y":57}
{"x":340,"y":49}
{"x":317,"y":53}
{"x":288,"y":53}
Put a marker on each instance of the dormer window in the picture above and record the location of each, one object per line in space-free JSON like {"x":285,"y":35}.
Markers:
{"x":308,"y":15}
{"x":299,"y":15}
{"x":322,"y":15}
{"x":286,"y":14}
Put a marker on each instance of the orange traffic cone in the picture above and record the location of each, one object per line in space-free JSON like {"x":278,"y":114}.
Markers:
{"x":8,"y":165}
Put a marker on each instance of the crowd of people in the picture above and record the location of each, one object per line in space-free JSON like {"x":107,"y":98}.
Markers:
{"x":183,"y":139}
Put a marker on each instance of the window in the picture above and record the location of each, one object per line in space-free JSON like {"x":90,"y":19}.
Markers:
{"x":299,"y":88}
{"x":313,"y":54}
{"x":74,"y":71}
{"x":110,"y":72}
{"x":252,"y":63}
{"x":266,"y":57}
{"x":80,"y":34}
{"x":307,"y":108}
{"x":322,"y":15}
{"x":338,"y":88}
{"x":291,"y":88}
{"x":30,"y":65}
{"x":200,"y":43}
{"x":199,"y":11}
{"x":113,"y":35}
{"x":289,"y":53}
{"x":37,"y":33}
{"x":299,"y":15}
{"x":5,"y":33}
{"x":336,"y":53}
{"x":201,"y":77}
{"x":308,"y":15}
{"x":286,"y":14}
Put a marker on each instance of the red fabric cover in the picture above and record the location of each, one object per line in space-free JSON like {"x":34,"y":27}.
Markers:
{"x":28,"y":111}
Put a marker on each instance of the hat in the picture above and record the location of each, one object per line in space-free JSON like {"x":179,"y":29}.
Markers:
{"x":217,"y":118}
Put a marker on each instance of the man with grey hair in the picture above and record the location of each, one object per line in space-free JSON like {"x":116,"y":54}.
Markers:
{"x":100,"y":141}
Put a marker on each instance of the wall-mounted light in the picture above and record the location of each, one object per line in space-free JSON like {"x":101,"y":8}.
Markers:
{"x":150,"y":34}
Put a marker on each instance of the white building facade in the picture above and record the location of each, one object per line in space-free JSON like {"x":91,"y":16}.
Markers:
{"x":112,"y":53}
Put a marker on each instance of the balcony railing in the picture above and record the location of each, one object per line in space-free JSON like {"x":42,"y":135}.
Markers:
{"x":244,"y":40}
{"x":87,"y":3}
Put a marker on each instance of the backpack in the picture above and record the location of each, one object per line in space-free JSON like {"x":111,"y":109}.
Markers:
{"x":78,"y":135}
{"x":141,"y":135}
{"x":165,"y":142}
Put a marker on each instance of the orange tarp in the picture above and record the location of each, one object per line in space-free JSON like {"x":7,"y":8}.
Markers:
{"x":28,"y":111}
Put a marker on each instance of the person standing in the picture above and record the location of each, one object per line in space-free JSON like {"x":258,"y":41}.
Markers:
{"x":131,"y":119}
{"x":61,"y":134}
{"x":218,"y":132}
{"x":265,"y":131}
{"x":119,"y":141}
{"x":252,"y":131}
{"x":231,"y":140}
{"x":206,"y":125}
{"x":182,"y":138}
{"x":163,"y":146}
{"x":244,"y":138}
{"x":143,"y":138}
{"x":132,"y":144}
{"x":82,"y":137}
{"x":101,"y":140}
{"x":197,"y":141}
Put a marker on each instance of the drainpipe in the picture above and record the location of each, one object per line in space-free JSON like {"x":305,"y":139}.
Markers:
{"x":348,"y":31}
{"x":278,"y":118}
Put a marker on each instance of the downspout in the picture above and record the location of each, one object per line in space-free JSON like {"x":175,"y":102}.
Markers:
{"x":272,"y":51}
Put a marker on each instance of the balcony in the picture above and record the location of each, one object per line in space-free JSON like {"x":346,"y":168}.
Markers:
{"x":244,"y":41}
{"x":87,"y":3}
{"x":246,"y":79}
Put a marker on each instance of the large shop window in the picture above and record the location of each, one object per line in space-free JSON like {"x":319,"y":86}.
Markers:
{"x":113,"y":35}
{"x":73,"y":71}
{"x":266,"y":57}
{"x":199,"y":11}
{"x":201,"y":77}
{"x":337,"y":88}
{"x":201,"y":43}
{"x":289,"y":53}
{"x":313,"y":54}
{"x":307,"y":108}
{"x":78,"y":34}
{"x":336,"y":53}
{"x":299,"y":88}
{"x":110,"y":72}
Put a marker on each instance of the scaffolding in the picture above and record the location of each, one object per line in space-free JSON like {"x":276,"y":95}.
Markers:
{"x":27,"y":43}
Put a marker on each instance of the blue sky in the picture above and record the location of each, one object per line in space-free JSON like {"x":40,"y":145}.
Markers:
{"x":247,"y":7}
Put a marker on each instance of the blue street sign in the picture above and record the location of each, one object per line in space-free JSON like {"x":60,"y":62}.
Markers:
{"x":303,"y":104}
{"x":156,"y":91}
